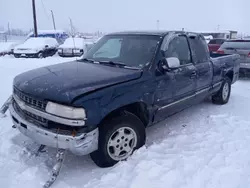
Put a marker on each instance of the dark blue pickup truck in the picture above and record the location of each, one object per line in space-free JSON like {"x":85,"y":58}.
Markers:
{"x":101,"y":104}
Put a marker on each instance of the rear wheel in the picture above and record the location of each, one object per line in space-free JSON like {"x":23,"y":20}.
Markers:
{"x":118,"y":138}
{"x":223,"y":95}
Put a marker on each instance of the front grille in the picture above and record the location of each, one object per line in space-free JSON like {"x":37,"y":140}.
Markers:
{"x":47,"y":124}
{"x":29,"y":116}
{"x":38,"y":104}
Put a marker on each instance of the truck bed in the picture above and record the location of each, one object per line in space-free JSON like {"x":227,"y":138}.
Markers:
{"x":226,"y":62}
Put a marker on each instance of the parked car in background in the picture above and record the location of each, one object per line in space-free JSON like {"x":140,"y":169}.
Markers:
{"x":6,"y":48}
{"x":214,"y":44}
{"x":74,"y":46}
{"x":36,"y":47}
{"x":241,"y":47}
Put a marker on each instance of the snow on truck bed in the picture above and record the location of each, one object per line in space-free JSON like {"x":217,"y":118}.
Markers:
{"x":205,"y":146}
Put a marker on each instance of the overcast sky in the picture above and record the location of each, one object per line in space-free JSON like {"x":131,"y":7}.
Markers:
{"x":113,"y":15}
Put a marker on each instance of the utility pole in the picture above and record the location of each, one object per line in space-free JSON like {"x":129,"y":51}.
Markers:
{"x":9,"y":28}
{"x":54,"y":24}
{"x":72,"y":27}
{"x":157,"y":23}
{"x":218,"y":27}
{"x":34,"y":17}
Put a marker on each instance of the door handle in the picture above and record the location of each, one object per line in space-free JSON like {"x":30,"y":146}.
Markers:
{"x":193,"y":75}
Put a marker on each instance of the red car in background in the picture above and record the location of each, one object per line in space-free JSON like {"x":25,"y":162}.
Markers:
{"x":214,"y":44}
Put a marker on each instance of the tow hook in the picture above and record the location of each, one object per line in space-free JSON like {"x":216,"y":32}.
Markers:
{"x":5,"y":107}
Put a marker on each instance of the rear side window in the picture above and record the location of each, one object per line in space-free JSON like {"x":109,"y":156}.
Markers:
{"x":236,"y":44}
{"x":200,"y":52}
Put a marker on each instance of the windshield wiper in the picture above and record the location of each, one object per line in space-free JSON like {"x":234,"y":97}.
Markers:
{"x":118,"y":64}
{"x":112,"y":63}
{"x":108,"y":63}
{"x":86,"y":59}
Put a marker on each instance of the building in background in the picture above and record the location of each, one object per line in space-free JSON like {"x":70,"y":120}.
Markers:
{"x":220,"y":34}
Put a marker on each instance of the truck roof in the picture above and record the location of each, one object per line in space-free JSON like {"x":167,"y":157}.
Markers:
{"x":151,"y":32}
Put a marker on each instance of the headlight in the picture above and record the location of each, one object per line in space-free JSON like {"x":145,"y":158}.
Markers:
{"x":65,"y":111}
{"x":59,"y":50}
{"x":76,"y":50}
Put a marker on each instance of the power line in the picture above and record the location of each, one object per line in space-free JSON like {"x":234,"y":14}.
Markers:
{"x":44,"y":9}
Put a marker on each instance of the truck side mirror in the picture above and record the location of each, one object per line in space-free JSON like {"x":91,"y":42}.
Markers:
{"x":170,"y":63}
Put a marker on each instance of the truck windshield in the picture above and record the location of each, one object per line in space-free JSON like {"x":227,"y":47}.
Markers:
{"x":129,"y":50}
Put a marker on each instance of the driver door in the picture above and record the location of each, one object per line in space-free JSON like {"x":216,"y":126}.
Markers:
{"x":183,"y":82}
{"x":185,"y":77}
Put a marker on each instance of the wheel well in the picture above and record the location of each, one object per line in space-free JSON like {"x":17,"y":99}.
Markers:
{"x":230,"y":75}
{"x":138,"y":108}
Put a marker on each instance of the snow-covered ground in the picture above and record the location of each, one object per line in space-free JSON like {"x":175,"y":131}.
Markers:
{"x":205,"y":146}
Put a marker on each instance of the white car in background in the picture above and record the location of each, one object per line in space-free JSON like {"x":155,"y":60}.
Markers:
{"x":38,"y":47}
{"x":74,"y":47}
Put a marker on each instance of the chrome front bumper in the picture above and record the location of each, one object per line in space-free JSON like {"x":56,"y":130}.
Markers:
{"x":79,"y":145}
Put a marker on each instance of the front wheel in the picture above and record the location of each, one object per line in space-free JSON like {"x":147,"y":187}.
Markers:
{"x":223,"y":95}
{"x":118,"y":138}
{"x":40,"y":55}
{"x":17,"y":55}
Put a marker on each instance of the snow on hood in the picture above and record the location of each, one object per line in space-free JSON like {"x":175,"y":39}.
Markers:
{"x":37,"y":43}
{"x":74,"y":43}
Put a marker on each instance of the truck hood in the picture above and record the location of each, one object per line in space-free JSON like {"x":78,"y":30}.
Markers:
{"x":63,"y":82}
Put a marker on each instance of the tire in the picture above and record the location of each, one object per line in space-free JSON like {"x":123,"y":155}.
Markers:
{"x":40,"y":55}
{"x":118,"y":129}
{"x":223,"y":95}
{"x":17,"y":56}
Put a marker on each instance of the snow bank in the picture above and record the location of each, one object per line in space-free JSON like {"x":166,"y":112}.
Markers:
{"x":210,"y":153}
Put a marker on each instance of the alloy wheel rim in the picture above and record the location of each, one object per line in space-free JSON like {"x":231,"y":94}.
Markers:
{"x":225,"y":91}
{"x":122,"y":143}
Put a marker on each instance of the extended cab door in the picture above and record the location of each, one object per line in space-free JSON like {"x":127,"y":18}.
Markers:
{"x":183,"y":79}
{"x":203,"y":64}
